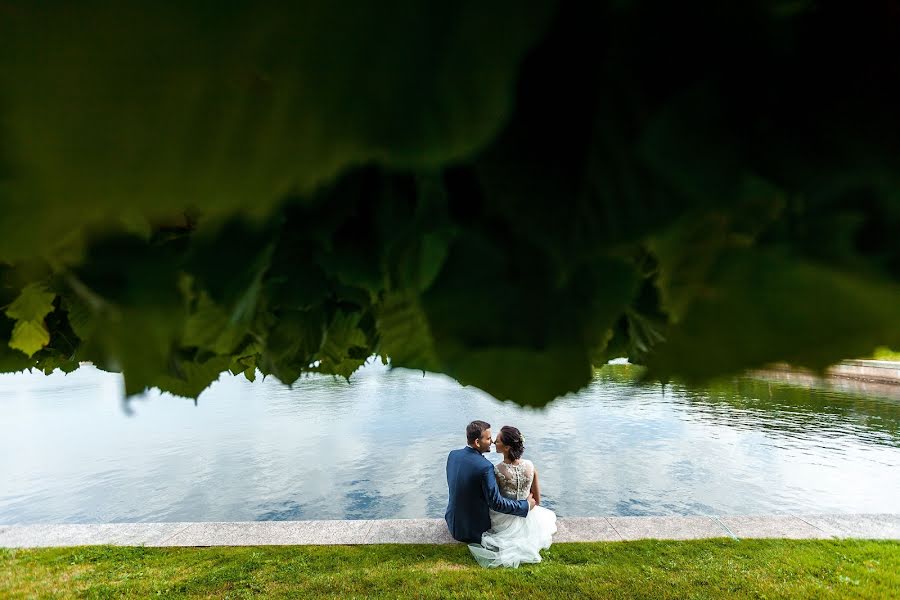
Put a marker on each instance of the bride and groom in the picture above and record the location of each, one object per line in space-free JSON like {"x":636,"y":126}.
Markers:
{"x":496,"y":509}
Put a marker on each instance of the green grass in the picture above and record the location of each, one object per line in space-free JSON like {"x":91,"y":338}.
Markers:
{"x":645,"y":569}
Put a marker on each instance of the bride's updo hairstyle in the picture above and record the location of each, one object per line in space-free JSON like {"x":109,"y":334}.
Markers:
{"x":512,"y":439}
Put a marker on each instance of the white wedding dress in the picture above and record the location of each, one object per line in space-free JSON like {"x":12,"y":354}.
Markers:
{"x":512,"y":540}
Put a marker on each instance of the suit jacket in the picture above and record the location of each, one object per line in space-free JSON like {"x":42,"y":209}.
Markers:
{"x":473,"y":490}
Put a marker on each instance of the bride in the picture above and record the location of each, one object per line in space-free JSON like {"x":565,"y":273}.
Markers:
{"x":512,"y":540}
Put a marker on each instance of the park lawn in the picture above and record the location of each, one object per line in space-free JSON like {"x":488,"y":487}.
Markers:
{"x":643,"y":569}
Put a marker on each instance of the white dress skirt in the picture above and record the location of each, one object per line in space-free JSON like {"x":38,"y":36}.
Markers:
{"x":513,"y":540}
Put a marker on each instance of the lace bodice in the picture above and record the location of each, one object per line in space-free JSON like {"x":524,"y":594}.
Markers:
{"x":514,"y":481}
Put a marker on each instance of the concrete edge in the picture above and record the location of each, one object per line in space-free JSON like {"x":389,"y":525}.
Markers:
{"x":876,"y":378}
{"x":434,"y":531}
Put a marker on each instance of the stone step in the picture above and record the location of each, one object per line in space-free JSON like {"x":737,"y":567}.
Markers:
{"x":434,"y":531}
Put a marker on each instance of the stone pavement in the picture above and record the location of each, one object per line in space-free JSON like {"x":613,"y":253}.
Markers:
{"x":434,"y":531}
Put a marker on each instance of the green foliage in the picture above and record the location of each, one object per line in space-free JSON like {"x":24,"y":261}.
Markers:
{"x":29,"y":309}
{"x":885,"y":353}
{"x":506,"y":193}
{"x":134,"y":110}
{"x":759,"y":290}
{"x":12,"y":360}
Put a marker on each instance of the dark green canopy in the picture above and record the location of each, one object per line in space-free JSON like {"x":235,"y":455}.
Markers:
{"x":509,"y":193}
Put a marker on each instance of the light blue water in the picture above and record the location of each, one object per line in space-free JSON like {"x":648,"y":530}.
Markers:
{"x":376,"y":448}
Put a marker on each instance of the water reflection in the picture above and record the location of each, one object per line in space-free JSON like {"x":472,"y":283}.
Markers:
{"x":774,"y":406}
{"x":376,"y":449}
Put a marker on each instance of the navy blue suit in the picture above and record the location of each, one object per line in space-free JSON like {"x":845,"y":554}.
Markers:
{"x":473,"y":489}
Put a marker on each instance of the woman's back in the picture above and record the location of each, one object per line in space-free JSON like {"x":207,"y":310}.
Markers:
{"x":514,"y":481}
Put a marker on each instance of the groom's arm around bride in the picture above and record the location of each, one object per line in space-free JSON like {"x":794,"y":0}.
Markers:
{"x":498,"y":502}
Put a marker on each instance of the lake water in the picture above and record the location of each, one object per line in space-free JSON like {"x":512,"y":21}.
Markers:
{"x":72,"y":451}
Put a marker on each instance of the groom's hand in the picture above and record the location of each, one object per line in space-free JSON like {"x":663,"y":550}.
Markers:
{"x":531,"y":501}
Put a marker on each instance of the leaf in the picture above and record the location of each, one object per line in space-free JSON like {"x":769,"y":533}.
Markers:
{"x":208,"y":327}
{"x":432,"y":254}
{"x":32,"y":304}
{"x":526,"y":376}
{"x":643,"y":336}
{"x":29,"y":337}
{"x":51,"y":363}
{"x":350,"y":254}
{"x":687,"y":251}
{"x":762,"y":307}
{"x":245,"y":361}
{"x":29,"y":309}
{"x":502,"y":321}
{"x":403,"y":332}
{"x":81,"y":317}
{"x":137,"y":307}
{"x":293,"y":343}
{"x":686,"y":254}
{"x":687,"y":147}
{"x":344,"y":179}
{"x":139,"y":344}
{"x":228,"y":262}
{"x":231,"y":108}
{"x":191,"y":377}
{"x":415,"y":230}
{"x":11,"y":360}
{"x":345,"y":347}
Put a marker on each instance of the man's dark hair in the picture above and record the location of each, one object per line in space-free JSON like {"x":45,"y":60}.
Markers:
{"x":475,"y":429}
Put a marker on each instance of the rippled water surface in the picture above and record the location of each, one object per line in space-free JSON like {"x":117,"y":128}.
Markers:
{"x":71,"y":452}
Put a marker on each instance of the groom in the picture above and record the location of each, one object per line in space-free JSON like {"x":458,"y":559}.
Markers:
{"x":473,"y":489}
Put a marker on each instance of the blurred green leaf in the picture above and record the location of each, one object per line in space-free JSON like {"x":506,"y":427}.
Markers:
{"x":11,"y":360}
{"x":344,"y":348}
{"x":228,"y":262}
{"x":293,"y":343}
{"x":134,"y":313}
{"x":80,"y":316}
{"x":32,"y":304}
{"x":763,"y":306}
{"x":190,"y":378}
{"x":531,"y":377}
{"x":29,"y":336}
{"x":505,"y":193}
{"x":51,"y":363}
{"x":404,"y":335}
{"x":230,"y":108}
{"x":209,"y":327}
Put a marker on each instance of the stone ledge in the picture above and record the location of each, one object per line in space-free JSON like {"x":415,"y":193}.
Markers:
{"x":434,"y":531}
{"x":866,"y":377}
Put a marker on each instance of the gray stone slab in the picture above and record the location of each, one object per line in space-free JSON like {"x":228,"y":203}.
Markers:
{"x":263,"y":533}
{"x":875,"y":527}
{"x":585,"y":529}
{"x":667,"y":528}
{"x":142,"y":534}
{"x":409,"y":531}
{"x":118,"y":534}
{"x":772,"y":526}
{"x":434,"y":531}
{"x":42,"y":535}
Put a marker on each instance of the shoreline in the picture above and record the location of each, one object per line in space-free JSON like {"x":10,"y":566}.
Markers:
{"x":884,"y":526}
{"x":879,"y":378}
